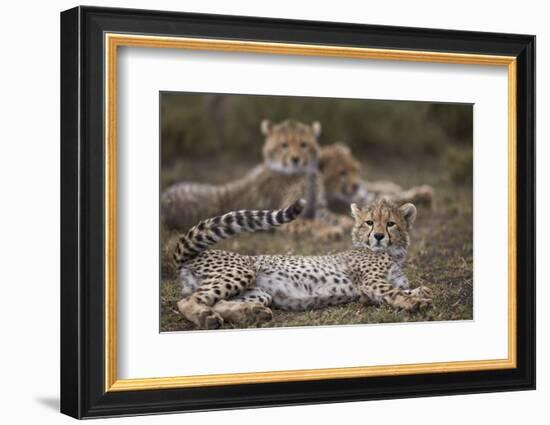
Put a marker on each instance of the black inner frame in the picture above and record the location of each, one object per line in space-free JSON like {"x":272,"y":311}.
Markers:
{"x":82,"y":212}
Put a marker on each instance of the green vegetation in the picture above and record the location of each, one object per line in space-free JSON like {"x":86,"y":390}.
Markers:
{"x":202,"y":125}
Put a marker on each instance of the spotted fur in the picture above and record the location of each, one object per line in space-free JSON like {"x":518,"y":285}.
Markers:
{"x":289,"y":171}
{"x":290,"y":163}
{"x":212,"y":230}
{"x":223,"y":286}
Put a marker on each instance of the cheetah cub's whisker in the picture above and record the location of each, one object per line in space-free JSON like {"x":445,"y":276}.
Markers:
{"x":223,"y":286}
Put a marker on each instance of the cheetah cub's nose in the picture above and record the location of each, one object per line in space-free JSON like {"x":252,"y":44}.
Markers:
{"x":379,"y":236}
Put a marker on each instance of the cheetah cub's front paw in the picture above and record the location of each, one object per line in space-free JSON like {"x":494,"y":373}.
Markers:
{"x":419,"y":298}
{"x":422,"y":292}
{"x":416,"y":303}
{"x":423,"y":303}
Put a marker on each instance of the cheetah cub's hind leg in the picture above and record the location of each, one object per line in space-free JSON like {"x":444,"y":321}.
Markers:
{"x":198,"y":308}
{"x":188,"y":282}
{"x":249,"y":308}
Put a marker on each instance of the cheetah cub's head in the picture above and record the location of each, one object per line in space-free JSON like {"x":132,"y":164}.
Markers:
{"x":382,"y":226}
{"x":291,"y":147}
{"x":340,"y":172}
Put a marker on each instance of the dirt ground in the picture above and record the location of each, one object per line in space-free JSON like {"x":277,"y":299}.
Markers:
{"x":440,"y":255}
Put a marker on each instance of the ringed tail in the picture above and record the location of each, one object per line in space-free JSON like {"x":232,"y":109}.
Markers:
{"x":212,"y":230}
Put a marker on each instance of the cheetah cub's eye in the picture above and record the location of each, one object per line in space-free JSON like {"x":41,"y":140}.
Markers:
{"x":303,"y":145}
{"x":343,"y":173}
{"x":369,"y":222}
{"x":391,"y":223}
{"x":284,"y":145}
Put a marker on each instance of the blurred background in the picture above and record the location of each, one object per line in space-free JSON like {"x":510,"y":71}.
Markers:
{"x":216,"y":138}
{"x":201,"y":125}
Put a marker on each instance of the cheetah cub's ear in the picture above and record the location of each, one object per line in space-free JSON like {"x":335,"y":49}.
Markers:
{"x":409,"y":213}
{"x":355,"y":210}
{"x":266,"y":127}
{"x":316,"y":127}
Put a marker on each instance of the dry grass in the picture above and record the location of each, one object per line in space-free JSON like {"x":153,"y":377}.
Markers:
{"x":440,"y":255}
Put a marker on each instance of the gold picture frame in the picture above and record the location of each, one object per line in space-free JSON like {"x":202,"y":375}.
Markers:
{"x":114,"y":41}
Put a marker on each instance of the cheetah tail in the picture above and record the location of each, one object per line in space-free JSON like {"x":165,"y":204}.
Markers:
{"x":212,"y":230}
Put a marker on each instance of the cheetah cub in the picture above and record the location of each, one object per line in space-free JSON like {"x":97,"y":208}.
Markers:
{"x":223,"y":286}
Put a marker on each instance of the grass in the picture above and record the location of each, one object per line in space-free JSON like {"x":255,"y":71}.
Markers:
{"x":440,"y":255}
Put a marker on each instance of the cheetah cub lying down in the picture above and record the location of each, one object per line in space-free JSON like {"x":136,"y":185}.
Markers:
{"x":223,"y":286}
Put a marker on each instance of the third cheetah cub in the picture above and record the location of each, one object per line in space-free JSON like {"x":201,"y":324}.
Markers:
{"x":223,"y":286}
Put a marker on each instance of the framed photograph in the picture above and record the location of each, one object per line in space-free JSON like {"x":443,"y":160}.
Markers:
{"x":261,"y":212}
